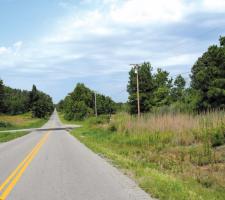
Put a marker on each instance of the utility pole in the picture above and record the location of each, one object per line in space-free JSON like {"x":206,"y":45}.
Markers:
{"x":96,"y":111}
{"x":136,"y":68}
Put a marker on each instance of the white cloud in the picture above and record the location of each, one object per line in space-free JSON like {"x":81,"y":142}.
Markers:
{"x":78,"y":27}
{"x":180,"y":59}
{"x":149,"y":11}
{"x":14,"y":49}
{"x":214,"y":5}
{"x":4,"y":50}
{"x":115,"y":15}
{"x":105,"y":40}
{"x":18,"y":44}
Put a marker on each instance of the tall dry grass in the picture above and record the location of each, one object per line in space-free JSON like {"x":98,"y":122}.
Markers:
{"x":185,"y":128}
{"x":179,"y":145}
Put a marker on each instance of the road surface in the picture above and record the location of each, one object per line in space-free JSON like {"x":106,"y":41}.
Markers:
{"x":53,"y":165}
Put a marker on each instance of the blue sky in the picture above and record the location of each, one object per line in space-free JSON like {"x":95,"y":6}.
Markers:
{"x":57,"y":43}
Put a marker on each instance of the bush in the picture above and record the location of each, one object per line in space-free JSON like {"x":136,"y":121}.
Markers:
{"x":204,"y":180}
{"x":112,"y":127}
{"x":4,"y":124}
{"x":102,"y":119}
{"x":217,"y":138}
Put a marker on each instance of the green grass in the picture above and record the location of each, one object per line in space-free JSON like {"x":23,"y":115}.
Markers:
{"x":162,"y":162}
{"x":5,"y":137}
{"x":23,"y":121}
{"x":15,"y":122}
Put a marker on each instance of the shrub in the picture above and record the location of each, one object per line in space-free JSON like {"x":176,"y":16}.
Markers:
{"x":4,"y":124}
{"x":102,"y":119}
{"x":204,"y":180}
{"x":112,"y":127}
{"x":217,"y":138}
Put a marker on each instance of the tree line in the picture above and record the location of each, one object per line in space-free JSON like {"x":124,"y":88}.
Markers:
{"x":80,"y":104}
{"x":16,"y":101}
{"x":158,"y":91}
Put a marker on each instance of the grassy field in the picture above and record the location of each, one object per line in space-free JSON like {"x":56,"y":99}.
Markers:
{"x":8,"y":122}
{"x":178,"y":156}
{"x":5,"y":137}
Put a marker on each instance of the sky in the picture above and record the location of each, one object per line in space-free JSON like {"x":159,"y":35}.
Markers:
{"x":55,"y":44}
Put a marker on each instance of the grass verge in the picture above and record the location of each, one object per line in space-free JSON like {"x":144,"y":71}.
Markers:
{"x":14,"y":122}
{"x":172,"y":165}
{"x":5,"y":137}
{"x":23,"y":121}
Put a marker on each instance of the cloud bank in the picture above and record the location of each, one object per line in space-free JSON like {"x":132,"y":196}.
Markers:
{"x":98,"y":39}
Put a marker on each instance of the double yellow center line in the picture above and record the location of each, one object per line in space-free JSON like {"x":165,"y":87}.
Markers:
{"x":15,"y":176}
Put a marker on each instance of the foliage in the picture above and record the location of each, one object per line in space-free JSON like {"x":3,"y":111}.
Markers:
{"x":79,"y":104}
{"x":146,"y":88}
{"x":122,"y":107}
{"x":4,"y":124}
{"x":218,"y":137}
{"x":16,"y":101}
{"x":33,"y":96}
{"x":41,"y":104}
{"x":208,"y":78}
{"x":157,"y":90}
{"x":60,"y":105}
{"x":105,"y":105}
{"x":178,"y":89}
{"x":162,"y":88}
{"x":102,"y":119}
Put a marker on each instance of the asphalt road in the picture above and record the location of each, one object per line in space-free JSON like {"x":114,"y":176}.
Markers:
{"x":53,"y":165}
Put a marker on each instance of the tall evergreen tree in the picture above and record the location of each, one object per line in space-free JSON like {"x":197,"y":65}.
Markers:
{"x":41,"y":104}
{"x":178,"y":88}
{"x":34,"y":95}
{"x":162,"y":90}
{"x":146,"y":88}
{"x":208,"y":77}
{"x":16,"y":101}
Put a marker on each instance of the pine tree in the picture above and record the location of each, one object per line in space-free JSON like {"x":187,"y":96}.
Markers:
{"x":146,"y":88}
{"x":208,"y":77}
{"x":178,"y":88}
{"x":162,"y":90}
